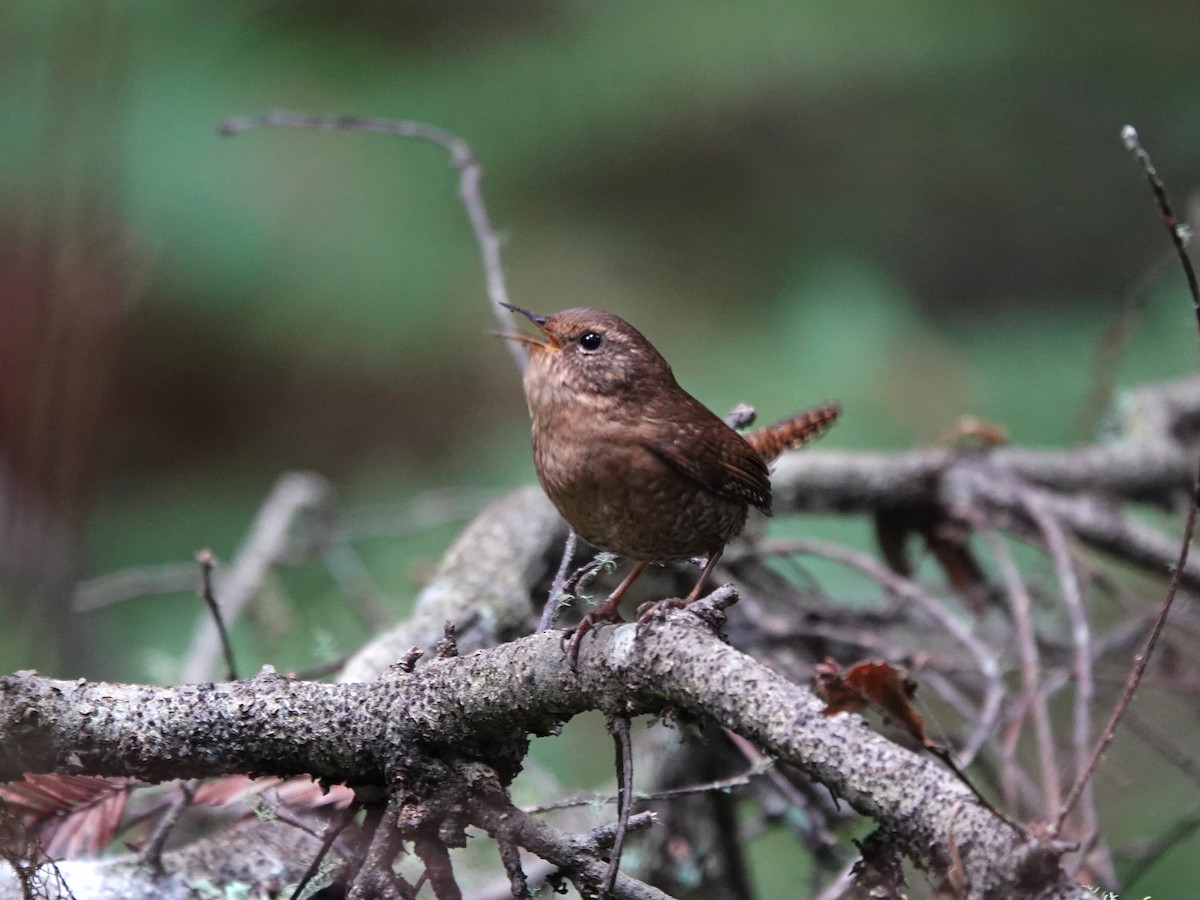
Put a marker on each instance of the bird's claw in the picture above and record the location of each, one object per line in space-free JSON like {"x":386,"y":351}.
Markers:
{"x":573,"y":638}
{"x":648,"y":611}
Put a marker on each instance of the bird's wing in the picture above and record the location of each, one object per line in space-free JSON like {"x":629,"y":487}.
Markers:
{"x":718,"y":458}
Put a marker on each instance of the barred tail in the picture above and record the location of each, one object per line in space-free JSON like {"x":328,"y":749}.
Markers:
{"x":794,"y":431}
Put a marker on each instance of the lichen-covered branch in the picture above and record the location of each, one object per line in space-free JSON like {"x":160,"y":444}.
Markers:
{"x":1150,"y":461}
{"x":483,"y":705}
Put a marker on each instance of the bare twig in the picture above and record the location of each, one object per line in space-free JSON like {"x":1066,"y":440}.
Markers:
{"x":510,"y":858}
{"x":206,"y":560}
{"x":1136,"y":672}
{"x":618,"y":726}
{"x":558,"y":589}
{"x":470,"y":178}
{"x":1033,"y":697}
{"x":574,"y":857}
{"x":1179,"y":232}
{"x":764,"y":764}
{"x":993,"y":693}
{"x":375,"y":879}
{"x":1068,"y":582}
{"x":332,"y":830}
{"x":151,"y":855}
{"x":425,"y":511}
{"x":781,"y":783}
{"x":139,"y":581}
{"x":438,"y":869}
{"x":268,"y":545}
{"x":1176,"y":231}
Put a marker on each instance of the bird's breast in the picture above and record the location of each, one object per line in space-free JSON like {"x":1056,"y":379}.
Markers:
{"x":620,"y":496}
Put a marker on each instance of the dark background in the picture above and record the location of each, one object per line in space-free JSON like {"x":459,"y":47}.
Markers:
{"x":922,"y":209}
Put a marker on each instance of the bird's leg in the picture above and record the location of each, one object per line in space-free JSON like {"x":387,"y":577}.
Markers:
{"x":605,"y":612}
{"x":647,"y":610}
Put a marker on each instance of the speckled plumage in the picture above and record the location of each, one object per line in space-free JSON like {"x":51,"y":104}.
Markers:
{"x":634,"y":462}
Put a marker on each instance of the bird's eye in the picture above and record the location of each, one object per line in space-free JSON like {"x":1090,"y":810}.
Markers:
{"x":591,"y":340}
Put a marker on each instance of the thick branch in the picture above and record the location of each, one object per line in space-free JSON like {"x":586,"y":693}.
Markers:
{"x":484,"y":705}
{"x":265,"y":725}
{"x":1150,"y":462}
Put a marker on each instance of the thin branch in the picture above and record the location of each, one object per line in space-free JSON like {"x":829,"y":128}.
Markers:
{"x":206,"y":560}
{"x":470,"y":178}
{"x":601,"y":839}
{"x":618,"y":726}
{"x":438,"y":869}
{"x":332,"y":830}
{"x":952,"y":624}
{"x":1080,"y":635}
{"x":574,"y":857}
{"x":762,"y":765}
{"x":510,"y":858}
{"x":1137,"y":671}
{"x":151,"y":855}
{"x":1130,"y":137}
{"x":138,"y":581}
{"x":558,"y":589}
{"x":375,"y":880}
{"x":1033,"y":697}
{"x":1180,"y":233}
{"x":268,"y":544}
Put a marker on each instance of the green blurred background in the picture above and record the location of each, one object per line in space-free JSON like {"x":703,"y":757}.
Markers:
{"x":922,"y":209}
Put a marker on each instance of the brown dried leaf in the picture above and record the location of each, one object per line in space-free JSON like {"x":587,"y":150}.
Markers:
{"x":305,"y":793}
{"x":972,"y":432}
{"x":70,"y":815}
{"x":885,"y":687}
{"x":832,"y":688}
{"x":298,"y":793}
{"x":231,"y":789}
{"x":891,"y":533}
{"x":957,"y":561}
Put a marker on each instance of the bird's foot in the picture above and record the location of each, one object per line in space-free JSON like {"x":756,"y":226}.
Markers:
{"x":648,"y":611}
{"x":573,"y":638}
{"x":605,"y":612}
{"x":710,"y":608}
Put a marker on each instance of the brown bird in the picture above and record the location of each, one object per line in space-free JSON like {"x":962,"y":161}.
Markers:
{"x":634,"y":463}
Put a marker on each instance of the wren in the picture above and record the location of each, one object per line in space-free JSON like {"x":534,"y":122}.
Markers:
{"x":635,"y":464}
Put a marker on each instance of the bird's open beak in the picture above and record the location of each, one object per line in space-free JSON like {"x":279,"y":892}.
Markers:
{"x":539,"y":321}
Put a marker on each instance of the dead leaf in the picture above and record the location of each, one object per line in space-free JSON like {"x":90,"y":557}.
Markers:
{"x":884,"y":687}
{"x":301,"y":792}
{"x":70,"y":815}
